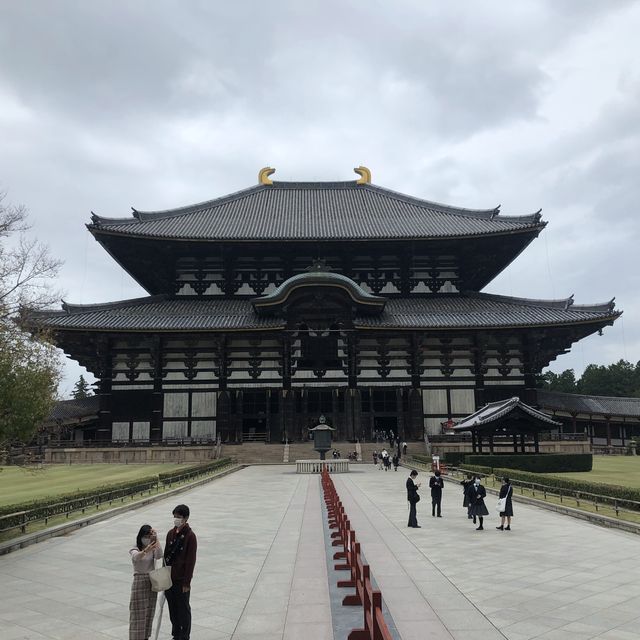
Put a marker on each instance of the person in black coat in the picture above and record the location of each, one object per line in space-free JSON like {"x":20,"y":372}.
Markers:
{"x":477,"y":508}
{"x":413,"y":498}
{"x":436,"y":483}
{"x":466,"y":483}
{"x":506,"y":491}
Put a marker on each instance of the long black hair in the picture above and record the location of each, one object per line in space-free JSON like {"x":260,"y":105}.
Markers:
{"x":145,"y":530}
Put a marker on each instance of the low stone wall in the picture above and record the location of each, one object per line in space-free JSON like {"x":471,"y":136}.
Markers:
{"x":546,"y":446}
{"x":316,"y":466}
{"x":130,"y":455}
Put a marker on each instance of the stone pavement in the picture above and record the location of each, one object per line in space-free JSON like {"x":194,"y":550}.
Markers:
{"x":261,"y":571}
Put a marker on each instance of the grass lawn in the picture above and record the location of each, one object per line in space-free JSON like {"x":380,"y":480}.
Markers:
{"x":19,"y":484}
{"x":620,"y":470}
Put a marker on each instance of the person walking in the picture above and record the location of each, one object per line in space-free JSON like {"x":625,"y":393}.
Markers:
{"x":180,"y":555}
{"x":396,"y":462}
{"x":404,"y":448}
{"x":142,"y":605}
{"x":506,"y":491}
{"x":466,"y":483}
{"x":436,"y":483}
{"x":375,"y":457}
{"x":477,"y":508}
{"x":413,"y":497}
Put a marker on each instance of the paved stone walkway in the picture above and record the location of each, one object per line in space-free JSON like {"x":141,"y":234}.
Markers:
{"x":261,"y":570}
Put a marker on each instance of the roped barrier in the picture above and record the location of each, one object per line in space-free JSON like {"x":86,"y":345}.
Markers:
{"x":370,"y":599}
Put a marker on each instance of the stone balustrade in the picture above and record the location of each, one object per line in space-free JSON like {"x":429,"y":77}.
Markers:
{"x":316,"y":466}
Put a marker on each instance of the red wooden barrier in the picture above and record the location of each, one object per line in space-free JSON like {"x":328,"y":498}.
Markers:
{"x":375,"y":627}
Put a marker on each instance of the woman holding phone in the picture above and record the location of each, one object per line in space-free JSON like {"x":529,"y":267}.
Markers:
{"x":142,"y":605}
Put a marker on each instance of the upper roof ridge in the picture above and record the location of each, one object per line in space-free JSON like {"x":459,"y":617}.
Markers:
{"x":141,"y":216}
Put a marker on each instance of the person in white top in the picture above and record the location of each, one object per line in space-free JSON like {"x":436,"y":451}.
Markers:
{"x":142,"y":605}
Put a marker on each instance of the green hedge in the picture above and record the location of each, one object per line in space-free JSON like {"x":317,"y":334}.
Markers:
{"x":193,"y":471}
{"x":454,"y":458}
{"x":611,"y":490}
{"x":476,"y":468}
{"x":536,"y":463}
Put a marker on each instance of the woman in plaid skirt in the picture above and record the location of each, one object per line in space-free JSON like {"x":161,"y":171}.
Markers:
{"x":143,"y":601}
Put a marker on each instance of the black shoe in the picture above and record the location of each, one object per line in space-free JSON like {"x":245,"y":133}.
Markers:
{"x":507,"y":528}
{"x":480,"y":528}
{"x":501,"y":528}
{"x":439,"y":516}
{"x":474,"y":521}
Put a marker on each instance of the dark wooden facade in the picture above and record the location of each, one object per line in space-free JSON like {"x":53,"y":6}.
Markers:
{"x":288,"y":301}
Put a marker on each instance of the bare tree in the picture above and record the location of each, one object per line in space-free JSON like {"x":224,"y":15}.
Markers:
{"x":26,"y":265}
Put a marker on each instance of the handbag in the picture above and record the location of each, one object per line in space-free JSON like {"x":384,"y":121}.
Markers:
{"x":161,"y":578}
{"x":502,"y":502}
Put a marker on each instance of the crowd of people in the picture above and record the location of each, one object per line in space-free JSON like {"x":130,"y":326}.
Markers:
{"x":473,"y":500}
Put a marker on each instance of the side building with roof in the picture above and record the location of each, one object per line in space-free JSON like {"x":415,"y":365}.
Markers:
{"x":272,"y":306}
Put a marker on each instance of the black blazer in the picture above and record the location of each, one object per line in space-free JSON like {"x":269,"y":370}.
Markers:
{"x":436,"y":483}
{"x":412,"y":490}
{"x":476,"y":496}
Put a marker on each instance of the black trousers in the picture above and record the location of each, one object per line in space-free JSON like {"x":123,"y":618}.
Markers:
{"x":179,"y":612}
{"x":413,"y":520}
{"x":435,"y":504}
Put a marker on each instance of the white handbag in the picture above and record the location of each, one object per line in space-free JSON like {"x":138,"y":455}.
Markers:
{"x":502,"y":502}
{"x":160,"y":578}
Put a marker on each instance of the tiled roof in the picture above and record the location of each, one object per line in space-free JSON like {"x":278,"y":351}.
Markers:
{"x":73,"y":410}
{"x":159,"y":313}
{"x":591,"y":405}
{"x":496,"y":410}
{"x":315,"y":211}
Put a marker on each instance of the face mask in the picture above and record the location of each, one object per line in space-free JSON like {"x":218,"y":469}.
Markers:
{"x":146,"y":542}
{"x":477,"y":481}
{"x":178,"y":522}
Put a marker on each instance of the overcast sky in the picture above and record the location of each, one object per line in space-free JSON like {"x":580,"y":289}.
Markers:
{"x":157,"y":104}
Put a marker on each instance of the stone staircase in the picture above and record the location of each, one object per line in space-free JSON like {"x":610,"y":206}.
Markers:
{"x":277,"y":453}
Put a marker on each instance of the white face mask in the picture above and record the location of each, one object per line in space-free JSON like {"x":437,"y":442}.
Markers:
{"x":178,"y":522}
{"x":477,"y":481}
{"x":145,"y":542}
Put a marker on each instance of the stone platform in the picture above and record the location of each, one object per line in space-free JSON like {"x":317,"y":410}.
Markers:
{"x":262,"y":570}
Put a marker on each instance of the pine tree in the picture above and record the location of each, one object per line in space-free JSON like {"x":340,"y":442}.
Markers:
{"x":81,"y":389}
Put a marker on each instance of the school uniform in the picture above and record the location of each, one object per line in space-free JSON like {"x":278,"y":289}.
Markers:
{"x":436,"y":483}
{"x":413,"y":498}
{"x":476,"y":495}
{"x":506,"y":491}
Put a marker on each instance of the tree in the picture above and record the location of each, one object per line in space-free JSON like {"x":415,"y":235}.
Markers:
{"x":620,"y":379}
{"x":81,"y":389}
{"x":564,"y":382}
{"x":29,"y":374}
{"x":26,"y":266}
{"x":29,"y":364}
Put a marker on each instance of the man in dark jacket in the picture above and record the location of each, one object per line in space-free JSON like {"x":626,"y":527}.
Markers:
{"x":413,"y":498}
{"x":436,"y":483}
{"x":180,"y":555}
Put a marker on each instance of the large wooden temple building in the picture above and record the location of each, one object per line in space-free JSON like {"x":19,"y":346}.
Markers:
{"x":272,"y":306}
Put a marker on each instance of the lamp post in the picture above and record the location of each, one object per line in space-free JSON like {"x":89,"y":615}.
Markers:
{"x":322,"y":437}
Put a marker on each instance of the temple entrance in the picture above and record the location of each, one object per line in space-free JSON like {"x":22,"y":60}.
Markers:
{"x":384,"y":426}
{"x":254,"y":430}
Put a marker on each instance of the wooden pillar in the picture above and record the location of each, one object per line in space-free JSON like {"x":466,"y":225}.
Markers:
{"x":337,"y":422}
{"x":608,"y":426}
{"x":157,"y":402}
{"x":515,"y":443}
{"x":479,"y":438}
{"x":473,"y":441}
{"x":623,"y":428}
{"x":237,"y":415}
{"x":573,"y":421}
{"x":536,"y":443}
{"x":522,"y":444}
{"x":267,"y":417}
{"x":399,"y":412}
{"x":491,"y":443}
{"x":104,"y":431}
